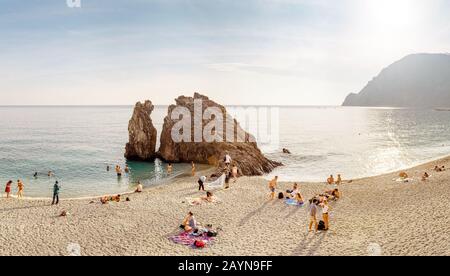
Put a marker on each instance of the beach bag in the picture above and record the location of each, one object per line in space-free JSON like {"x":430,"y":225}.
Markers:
{"x":199,"y":244}
{"x":280,"y":196}
{"x":211,"y":234}
{"x":321,"y":226}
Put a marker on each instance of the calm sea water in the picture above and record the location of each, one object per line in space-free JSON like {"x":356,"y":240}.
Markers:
{"x":77,"y":143}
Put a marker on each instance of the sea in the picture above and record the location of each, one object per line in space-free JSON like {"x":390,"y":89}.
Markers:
{"x":77,"y":143}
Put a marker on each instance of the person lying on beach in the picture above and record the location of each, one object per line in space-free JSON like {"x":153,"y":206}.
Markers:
{"x":139,"y":188}
{"x":292,"y":193}
{"x":115,"y":198}
{"x":272,"y":187}
{"x":330,"y":180}
{"x":189,"y":223}
{"x":208,"y":198}
{"x":8,"y":188}
{"x":333,"y":194}
{"x":403,"y":175}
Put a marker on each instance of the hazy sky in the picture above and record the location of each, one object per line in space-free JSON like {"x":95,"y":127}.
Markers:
{"x":287,"y":52}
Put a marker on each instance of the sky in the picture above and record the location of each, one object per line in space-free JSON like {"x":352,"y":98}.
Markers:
{"x":249,"y":52}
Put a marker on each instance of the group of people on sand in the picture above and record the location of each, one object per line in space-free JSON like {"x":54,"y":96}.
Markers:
{"x":318,"y":201}
{"x":322,"y":201}
{"x":337,"y":181}
{"x":230,"y":170}
{"x":20,"y":188}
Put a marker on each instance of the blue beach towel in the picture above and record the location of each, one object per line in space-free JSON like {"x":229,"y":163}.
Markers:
{"x":292,"y":202}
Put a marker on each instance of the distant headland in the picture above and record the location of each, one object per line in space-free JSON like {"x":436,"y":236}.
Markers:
{"x":418,"y":80}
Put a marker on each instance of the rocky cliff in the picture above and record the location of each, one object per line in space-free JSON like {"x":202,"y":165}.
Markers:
{"x":421,"y":80}
{"x":142,"y":134}
{"x":240,"y":145}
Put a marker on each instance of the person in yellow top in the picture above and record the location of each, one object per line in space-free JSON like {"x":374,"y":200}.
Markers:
{"x":272,"y":187}
{"x":330,"y":180}
{"x":20,"y":188}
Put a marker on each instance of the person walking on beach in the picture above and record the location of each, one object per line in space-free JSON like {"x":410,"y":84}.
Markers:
{"x":56,"y":189}
{"x":313,"y":215}
{"x":20,"y":188}
{"x":193,"y":168}
{"x":325,"y":217}
{"x":272,"y":187}
{"x":8,"y":188}
{"x":201,"y":183}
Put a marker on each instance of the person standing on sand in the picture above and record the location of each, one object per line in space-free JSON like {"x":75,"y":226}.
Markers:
{"x":169,"y":168}
{"x":193,"y":168}
{"x":312,"y":215}
{"x":235,"y":173}
{"x":272,"y":187}
{"x":339,"y":180}
{"x":227,"y":160}
{"x":201,"y":183}
{"x":8,"y":188}
{"x":325,"y":217}
{"x":56,"y":189}
{"x":20,"y":188}
{"x":330,"y":180}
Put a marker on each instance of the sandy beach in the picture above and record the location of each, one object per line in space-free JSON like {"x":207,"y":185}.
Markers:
{"x":376,"y":216}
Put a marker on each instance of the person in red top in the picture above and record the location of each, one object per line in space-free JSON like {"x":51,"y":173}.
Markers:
{"x":8,"y":188}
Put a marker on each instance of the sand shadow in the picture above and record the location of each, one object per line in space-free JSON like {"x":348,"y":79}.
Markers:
{"x":245,"y":219}
{"x":311,"y":241}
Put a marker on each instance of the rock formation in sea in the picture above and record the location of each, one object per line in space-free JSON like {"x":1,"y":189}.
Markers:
{"x":142,"y":134}
{"x":420,"y":80}
{"x":227,"y":135}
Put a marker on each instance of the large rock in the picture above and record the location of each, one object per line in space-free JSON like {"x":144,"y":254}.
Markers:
{"x":421,"y":80}
{"x":142,"y":134}
{"x":241,"y":146}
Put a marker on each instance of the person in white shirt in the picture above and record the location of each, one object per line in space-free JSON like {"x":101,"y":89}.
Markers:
{"x":227,"y":159}
{"x":325,"y":210}
{"x":201,"y":183}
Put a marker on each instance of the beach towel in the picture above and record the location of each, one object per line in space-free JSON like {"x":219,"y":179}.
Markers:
{"x":200,"y":201}
{"x":404,"y":180}
{"x":292,"y":202}
{"x":219,"y":183}
{"x":189,"y":239}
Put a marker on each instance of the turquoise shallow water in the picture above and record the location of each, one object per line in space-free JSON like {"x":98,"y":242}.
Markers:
{"x":78,"y":142}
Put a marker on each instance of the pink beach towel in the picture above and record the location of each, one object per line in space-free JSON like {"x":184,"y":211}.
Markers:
{"x":188,"y":239}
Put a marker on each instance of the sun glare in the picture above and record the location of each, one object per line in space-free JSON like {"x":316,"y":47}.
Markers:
{"x":387,"y":14}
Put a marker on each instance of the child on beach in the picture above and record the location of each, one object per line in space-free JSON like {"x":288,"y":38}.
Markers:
{"x":272,"y":187}
{"x":8,"y":188}
{"x":312,"y":215}
{"x":20,"y":188}
{"x":425,"y":176}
